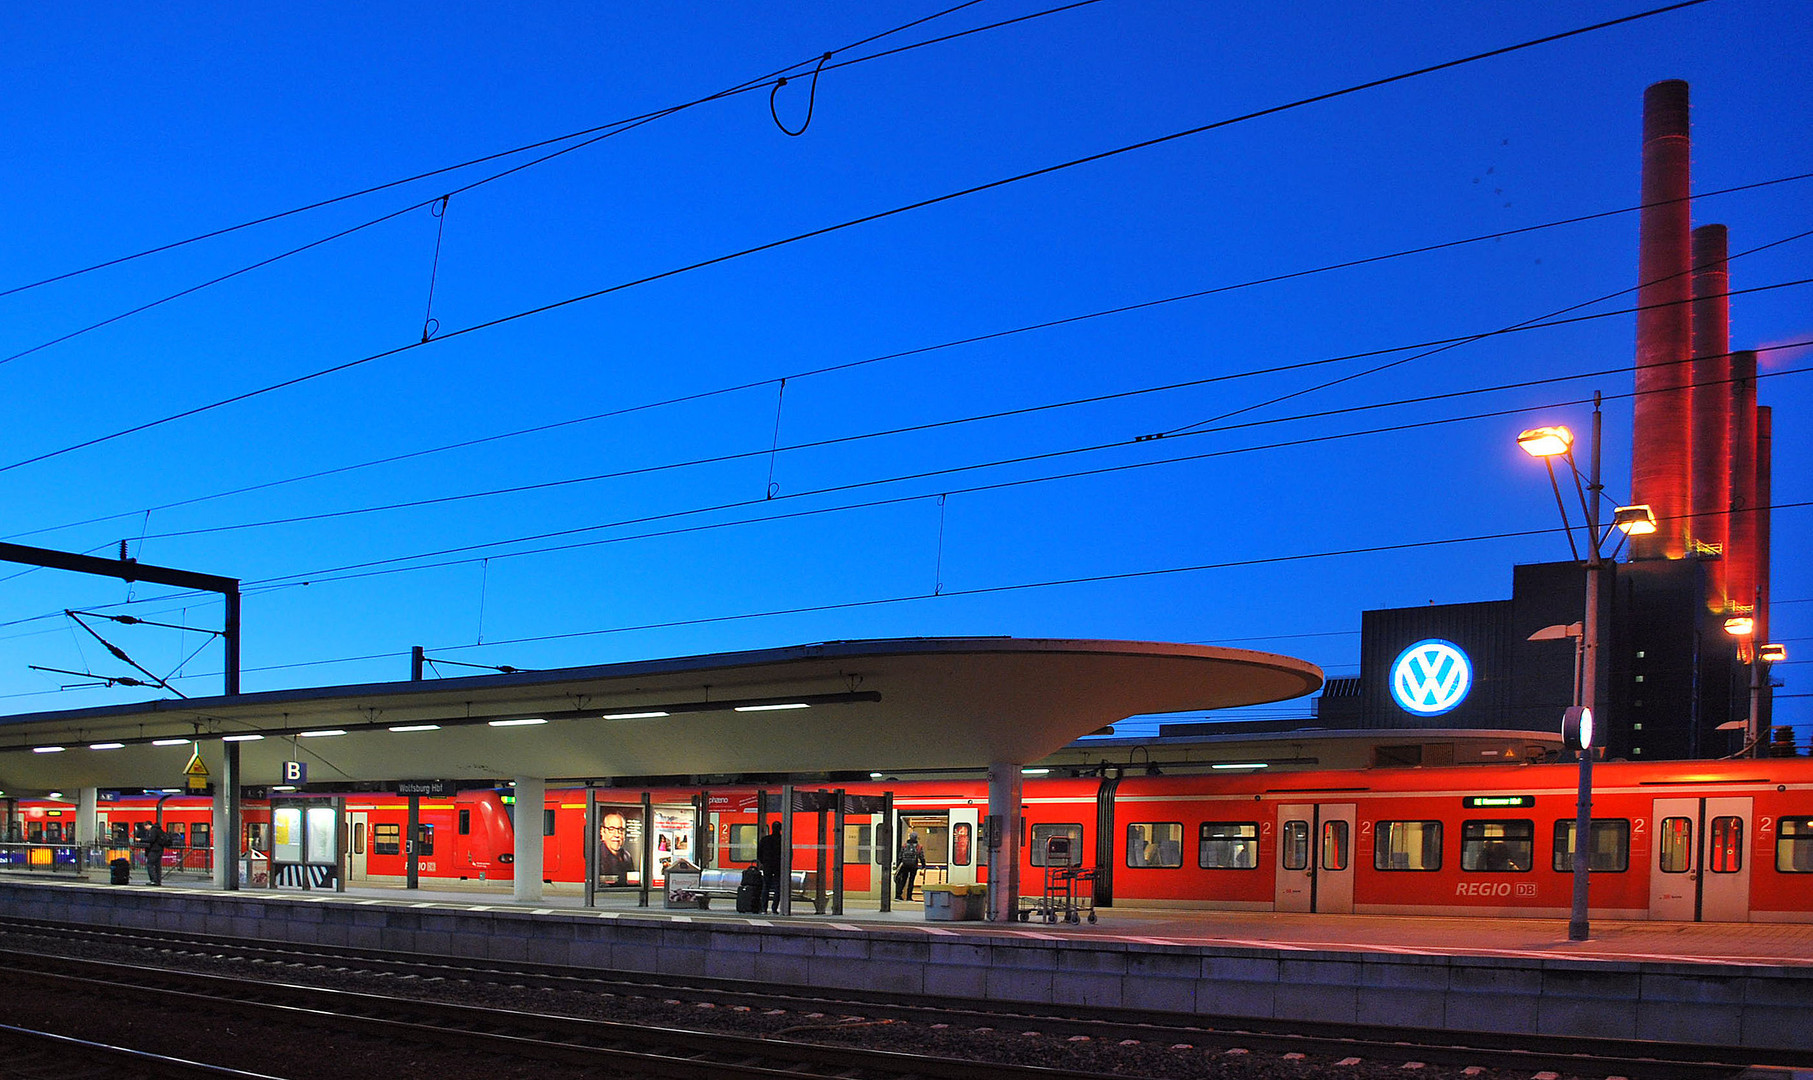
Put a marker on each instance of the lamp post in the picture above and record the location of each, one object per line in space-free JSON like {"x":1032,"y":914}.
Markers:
{"x":1549,"y":443}
{"x":1754,"y":631}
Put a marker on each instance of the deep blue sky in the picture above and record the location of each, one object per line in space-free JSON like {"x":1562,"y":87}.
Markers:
{"x":132,"y":128}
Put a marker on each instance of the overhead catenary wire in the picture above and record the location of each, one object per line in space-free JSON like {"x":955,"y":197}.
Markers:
{"x":773,"y":489}
{"x":926,"y":349}
{"x":744,"y":87}
{"x":414,"y":562}
{"x":851,"y":223}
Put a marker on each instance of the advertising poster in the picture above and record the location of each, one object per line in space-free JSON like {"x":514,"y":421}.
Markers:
{"x":619,"y":842}
{"x":286,"y":831}
{"x":673,"y":839}
{"x":323,"y":835}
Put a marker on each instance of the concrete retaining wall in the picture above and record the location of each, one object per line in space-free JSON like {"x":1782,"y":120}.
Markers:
{"x":1764,"y":1006}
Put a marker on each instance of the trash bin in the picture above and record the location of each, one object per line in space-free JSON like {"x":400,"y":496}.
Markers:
{"x":120,"y":871}
{"x":976,"y":907}
{"x":942,"y":904}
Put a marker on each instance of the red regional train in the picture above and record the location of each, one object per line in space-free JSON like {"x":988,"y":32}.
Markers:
{"x":1692,"y":840}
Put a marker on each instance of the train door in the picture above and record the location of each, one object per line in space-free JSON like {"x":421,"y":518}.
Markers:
{"x":963,"y":845}
{"x":1315,"y":858}
{"x":358,"y":827}
{"x":1699,"y":870}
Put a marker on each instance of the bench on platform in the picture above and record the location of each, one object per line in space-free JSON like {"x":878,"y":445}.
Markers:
{"x":724,"y":883}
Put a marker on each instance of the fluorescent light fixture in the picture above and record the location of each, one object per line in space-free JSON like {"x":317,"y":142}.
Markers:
{"x":169,"y":742}
{"x":1546,"y":441}
{"x":55,"y":795}
{"x":516,"y":723}
{"x":1238,"y":765}
{"x":1034,"y":772}
{"x":650,"y":715}
{"x":321,"y":734}
{"x":417,"y":727}
{"x":105,"y":745}
{"x":47,"y":749}
{"x":773,"y":708}
{"x":283,"y":787}
{"x":240,"y":738}
{"x":877,"y":776}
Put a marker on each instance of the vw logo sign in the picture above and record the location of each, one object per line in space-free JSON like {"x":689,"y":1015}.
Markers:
{"x":1431,"y":677}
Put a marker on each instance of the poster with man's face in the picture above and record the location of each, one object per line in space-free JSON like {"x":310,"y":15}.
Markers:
{"x":619,"y":838}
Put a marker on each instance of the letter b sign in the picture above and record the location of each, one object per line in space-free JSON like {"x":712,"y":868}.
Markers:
{"x":295,"y":772}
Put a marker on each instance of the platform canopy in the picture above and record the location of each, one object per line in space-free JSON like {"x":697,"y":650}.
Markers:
{"x":883,"y":705}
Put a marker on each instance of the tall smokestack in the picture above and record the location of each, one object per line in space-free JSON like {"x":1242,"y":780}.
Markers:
{"x":1741,"y":572}
{"x":1660,"y":443}
{"x":1711,"y":398}
{"x":1765,"y":496}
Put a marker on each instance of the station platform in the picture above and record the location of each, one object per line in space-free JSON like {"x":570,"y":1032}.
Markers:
{"x":1738,"y":984}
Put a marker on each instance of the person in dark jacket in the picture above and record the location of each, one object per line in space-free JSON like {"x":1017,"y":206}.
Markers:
{"x":155,"y":842}
{"x":768,"y":857}
{"x":911,"y":855}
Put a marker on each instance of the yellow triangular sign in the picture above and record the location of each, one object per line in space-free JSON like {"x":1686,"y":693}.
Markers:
{"x":196,"y":769}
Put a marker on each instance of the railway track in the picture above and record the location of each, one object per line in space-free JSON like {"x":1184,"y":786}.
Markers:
{"x":818,"y":1015}
{"x":41,"y":1055}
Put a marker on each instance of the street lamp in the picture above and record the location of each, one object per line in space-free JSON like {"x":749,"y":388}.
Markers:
{"x":1762,"y":657}
{"x":1549,"y":443}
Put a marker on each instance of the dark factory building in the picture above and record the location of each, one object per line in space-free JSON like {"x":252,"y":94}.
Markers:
{"x":1670,"y":674}
{"x":1683,"y":625}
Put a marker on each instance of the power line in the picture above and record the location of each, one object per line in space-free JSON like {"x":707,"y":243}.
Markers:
{"x":741,"y":88}
{"x":865,"y":219}
{"x":745,"y":455}
{"x":922,"y":350}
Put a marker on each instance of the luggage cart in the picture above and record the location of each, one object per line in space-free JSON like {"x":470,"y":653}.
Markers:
{"x":1069,"y":888}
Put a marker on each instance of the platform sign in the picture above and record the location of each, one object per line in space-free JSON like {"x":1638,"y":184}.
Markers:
{"x":438,"y":789}
{"x":196,"y":773}
{"x":295,"y":772}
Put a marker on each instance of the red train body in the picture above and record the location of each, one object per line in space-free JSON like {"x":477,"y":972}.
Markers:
{"x":1711,"y":840}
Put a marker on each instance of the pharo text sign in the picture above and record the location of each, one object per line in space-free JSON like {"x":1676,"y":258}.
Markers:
{"x":1431,"y":677}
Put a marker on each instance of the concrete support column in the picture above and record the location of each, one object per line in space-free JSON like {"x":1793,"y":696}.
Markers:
{"x":1005,"y":785}
{"x":226,"y":817}
{"x":87,"y":808}
{"x":531,"y":800}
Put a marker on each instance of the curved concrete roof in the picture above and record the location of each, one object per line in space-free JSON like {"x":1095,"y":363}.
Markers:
{"x":874,"y":705}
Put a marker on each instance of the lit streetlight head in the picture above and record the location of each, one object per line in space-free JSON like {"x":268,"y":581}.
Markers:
{"x":1740,"y":626}
{"x":1772,"y":653}
{"x":1638,"y":520}
{"x":1546,"y":441}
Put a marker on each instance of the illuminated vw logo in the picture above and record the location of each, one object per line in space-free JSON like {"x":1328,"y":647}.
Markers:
{"x":1431,"y":677}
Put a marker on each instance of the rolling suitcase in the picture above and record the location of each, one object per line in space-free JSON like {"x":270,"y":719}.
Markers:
{"x":749,"y":892}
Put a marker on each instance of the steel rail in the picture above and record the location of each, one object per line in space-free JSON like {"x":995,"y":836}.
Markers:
{"x":637,"y":1049}
{"x":1577,"y":1055}
{"x":38,"y":1055}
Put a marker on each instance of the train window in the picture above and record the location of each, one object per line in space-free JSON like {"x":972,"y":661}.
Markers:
{"x":35,"y":834}
{"x":1674,"y":845}
{"x":201,"y":835}
{"x":175,"y":836}
{"x":465,"y":821}
{"x":1228,"y":845}
{"x":1794,"y":845}
{"x":1041,"y":838}
{"x":358,"y":838}
{"x":742,"y":843}
{"x":1334,"y":845}
{"x":1497,"y":846}
{"x":120,"y":835}
{"x":858,"y":843}
{"x":1725,"y":836}
{"x":547,"y":823}
{"x":1155,"y":844}
{"x":962,"y":843}
{"x":1608,"y":846}
{"x":1407,"y":845}
{"x":387,"y":839}
{"x":424,"y":839}
{"x":1295,"y":845}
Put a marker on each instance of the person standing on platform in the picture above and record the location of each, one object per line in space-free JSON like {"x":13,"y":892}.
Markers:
{"x":155,"y":842}
{"x":768,"y":857}
{"x":911,"y":855}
